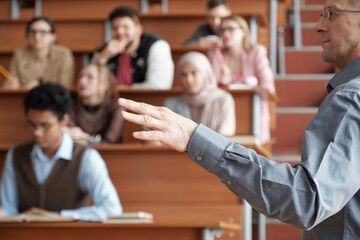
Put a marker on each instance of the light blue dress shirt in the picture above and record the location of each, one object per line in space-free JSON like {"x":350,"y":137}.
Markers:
{"x":321,"y":194}
{"x":93,"y":179}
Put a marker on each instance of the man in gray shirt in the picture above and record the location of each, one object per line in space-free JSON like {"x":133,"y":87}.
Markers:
{"x":321,"y":194}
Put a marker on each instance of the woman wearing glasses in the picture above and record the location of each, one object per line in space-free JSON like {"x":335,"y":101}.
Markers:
{"x":43,"y":60}
{"x":241,"y":62}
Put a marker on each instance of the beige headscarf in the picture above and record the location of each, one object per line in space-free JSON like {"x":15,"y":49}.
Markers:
{"x":208,"y":94}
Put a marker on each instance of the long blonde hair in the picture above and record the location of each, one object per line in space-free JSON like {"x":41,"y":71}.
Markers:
{"x":104,"y":74}
{"x":247,"y":45}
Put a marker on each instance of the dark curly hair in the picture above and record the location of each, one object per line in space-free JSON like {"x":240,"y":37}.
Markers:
{"x":45,"y":19}
{"x":214,"y":3}
{"x":49,"y":97}
{"x":125,"y":12}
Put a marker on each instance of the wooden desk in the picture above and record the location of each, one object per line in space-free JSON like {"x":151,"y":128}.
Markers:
{"x":166,"y":183}
{"x":176,"y":52}
{"x":189,"y":224}
{"x":100,"y":9}
{"x":87,"y":35}
{"x":96,"y":231}
{"x":169,"y":185}
{"x":81,"y":9}
{"x":13,"y":127}
{"x":184,"y":198}
{"x":148,"y":175}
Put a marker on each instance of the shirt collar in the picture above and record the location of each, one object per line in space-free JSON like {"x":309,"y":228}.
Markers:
{"x":349,"y":72}
{"x":64,"y":151}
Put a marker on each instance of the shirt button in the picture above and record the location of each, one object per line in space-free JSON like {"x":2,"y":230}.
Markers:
{"x":199,"y":158}
{"x":228,"y":182}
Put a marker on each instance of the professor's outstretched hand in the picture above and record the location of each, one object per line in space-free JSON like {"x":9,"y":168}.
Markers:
{"x":167,"y":127}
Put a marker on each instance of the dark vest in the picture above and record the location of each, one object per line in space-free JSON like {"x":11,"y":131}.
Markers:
{"x":139,"y":58}
{"x":60,"y":191}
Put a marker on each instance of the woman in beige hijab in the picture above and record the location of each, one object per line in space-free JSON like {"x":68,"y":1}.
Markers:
{"x":202,"y":101}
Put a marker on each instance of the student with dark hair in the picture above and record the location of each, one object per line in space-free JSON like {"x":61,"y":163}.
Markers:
{"x":42,"y":60}
{"x":138,"y":59}
{"x":52,"y":173}
{"x":205,"y":35}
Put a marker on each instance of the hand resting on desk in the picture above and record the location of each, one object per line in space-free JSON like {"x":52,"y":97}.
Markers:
{"x":40,"y":211}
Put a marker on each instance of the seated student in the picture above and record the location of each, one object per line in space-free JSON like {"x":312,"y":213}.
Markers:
{"x":96,"y":116}
{"x":52,"y":173}
{"x":138,"y":59}
{"x":205,"y":35}
{"x":202,"y":101}
{"x":241,"y":62}
{"x":43,"y":60}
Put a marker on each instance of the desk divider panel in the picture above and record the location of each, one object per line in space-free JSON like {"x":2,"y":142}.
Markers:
{"x":13,"y":128}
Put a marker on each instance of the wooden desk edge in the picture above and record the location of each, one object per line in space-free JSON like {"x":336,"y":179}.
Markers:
{"x":131,"y":90}
{"x":77,"y":224}
{"x":229,"y":226}
{"x":261,"y":18}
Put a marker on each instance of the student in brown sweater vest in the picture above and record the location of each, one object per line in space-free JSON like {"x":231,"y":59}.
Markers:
{"x":53,"y":173}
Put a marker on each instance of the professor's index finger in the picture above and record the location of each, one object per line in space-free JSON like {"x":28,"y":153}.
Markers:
{"x":140,"y":108}
{"x":143,"y":120}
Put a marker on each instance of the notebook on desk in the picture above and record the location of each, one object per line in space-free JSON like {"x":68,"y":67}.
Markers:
{"x":36,"y":217}
{"x":130,"y":217}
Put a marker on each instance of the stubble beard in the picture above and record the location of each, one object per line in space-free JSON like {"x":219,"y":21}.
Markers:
{"x":340,"y":58}
{"x":330,"y":56}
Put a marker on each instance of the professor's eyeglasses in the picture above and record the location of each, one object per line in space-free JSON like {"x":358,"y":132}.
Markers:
{"x":327,"y":13}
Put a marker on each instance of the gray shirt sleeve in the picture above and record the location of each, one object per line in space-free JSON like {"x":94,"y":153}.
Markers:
{"x":303,"y":195}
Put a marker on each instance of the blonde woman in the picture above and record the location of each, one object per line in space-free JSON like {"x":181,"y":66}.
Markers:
{"x":241,"y":62}
{"x":96,"y":117}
